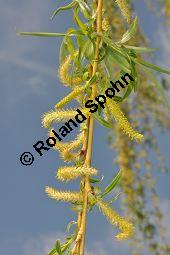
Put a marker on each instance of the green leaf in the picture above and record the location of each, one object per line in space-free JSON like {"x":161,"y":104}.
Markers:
{"x":63,"y":8}
{"x":45,"y":34}
{"x":84,"y":8}
{"x":102,"y":121}
{"x":71,"y":32}
{"x":140,"y":49}
{"x":152,"y":66}
{"x":57,"y":247}
{"x":63,"y":51}
{"x":117,"y":58}
{"x":128,"y":91}
{"x":70,"y":224}
{"x":159,"y":87}
{"x":70,"y":45}
{"x":78,"y":21}
{"x":115,"y":47}
{"x":118,"y":99}
{"x":93,"y":180}
{"x":52,"y":252}
{"x":130,"y":32}
{"x":113,"y":184}
{"x":89,"y":50}
{"x":134,"y":74}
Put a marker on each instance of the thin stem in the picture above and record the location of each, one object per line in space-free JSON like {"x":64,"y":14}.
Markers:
{"x":87,"y":187}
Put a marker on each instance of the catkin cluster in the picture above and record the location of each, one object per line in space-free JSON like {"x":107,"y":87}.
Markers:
{"x":71,"y":151}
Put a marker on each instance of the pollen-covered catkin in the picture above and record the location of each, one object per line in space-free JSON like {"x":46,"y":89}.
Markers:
{"x":66,"y":196}
{"x":60,"y":115}
{"x":124,"y":8}
{"x":68,"y":156}
{"x":77,"y":142}
{"x":63,"y":72}
{"x":65,"y":149}
{"x":122,"y":121}
{"x":70,"y":173}
{"x":72,"y":95}
{"x":114,"y":218}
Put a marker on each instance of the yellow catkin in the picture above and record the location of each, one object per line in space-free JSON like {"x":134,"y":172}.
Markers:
{"x":65,"y":148}
{"x":122,"y":121}
{"x":68,"y":156}
{"x":114,"y":218}
{"x":66,"y":196}
{"x":124,"y":7}
{"x":59,"y":146}
{"x":77,"y":142}
{"x":70,"y":173}
{"x":63,"y":72}
{"x":60,"y":115}
{"x":76,"y":92}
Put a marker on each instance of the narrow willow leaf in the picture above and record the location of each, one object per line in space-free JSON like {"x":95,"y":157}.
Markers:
{"x":66,"y":245}
{"x":130,"y":32}
{"x":152,"y":66}
{"x":89,"y":52}
{"x":73,"y":32}
{"x":102,"y":121}
{"x":52,"y":252}
{"x":78,"y":21}
{"x":63,"y":8}
{"x":93,"y":180}
{"x":112,"y":185}
{"x":159,"y":87}
{"x":58,"y":247}
{"x":81,"y":52}
{"x":118,"y":99}
{"x":134,"y":74}
{"x":140,"y":49}
{"x":70,"y":45}
{"x":84,"y":8}
{"x":120,"y":60}
{"x":63,"y":51}
{"x":45,"y":34}
{"x":128,"y":91}
{"x":114,"y":46}
{"x":70,"y":224}
{"x":80,"y":40}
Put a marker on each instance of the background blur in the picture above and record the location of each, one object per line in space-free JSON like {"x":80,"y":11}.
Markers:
{"x":29,"y":221}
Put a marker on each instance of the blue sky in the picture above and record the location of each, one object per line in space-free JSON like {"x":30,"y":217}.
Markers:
{"x":29,"y":221}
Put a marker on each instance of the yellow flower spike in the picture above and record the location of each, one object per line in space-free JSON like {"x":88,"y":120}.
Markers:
{"x":124,"y":7}
{"x":63,"y":147}
{"x":77,"y":142}
{"x":114,"y":218}
{"x":70,"y":173}
{"x":60,"y":115}
{"x":68,"y":156}
{"x":64,"y":72}
{"x":69,"y":97}
{"x":122,"y":121}
{"x":65,"y":196}
{"x":59,"y":146}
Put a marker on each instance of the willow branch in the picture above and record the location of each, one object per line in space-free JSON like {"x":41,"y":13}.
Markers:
{"x":87,"y":187}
